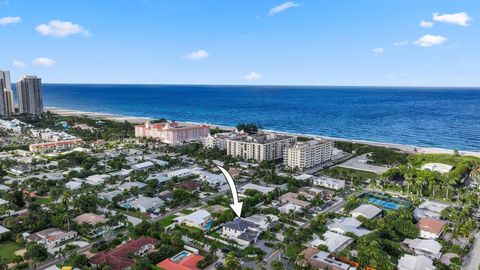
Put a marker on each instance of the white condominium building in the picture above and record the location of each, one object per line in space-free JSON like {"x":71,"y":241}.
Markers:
{"x":219,"y":140}
{"x":304,"y":155}
{"x":259,"y":147}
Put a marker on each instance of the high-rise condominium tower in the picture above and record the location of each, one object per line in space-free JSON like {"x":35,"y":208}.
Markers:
{"x":29,"y":92}
{"x":6,"y":95}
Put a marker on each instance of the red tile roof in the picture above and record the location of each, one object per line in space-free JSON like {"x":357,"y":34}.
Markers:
{"x":431,"y":225}
{"x":117,"y":258}
{"x":188,"y":263}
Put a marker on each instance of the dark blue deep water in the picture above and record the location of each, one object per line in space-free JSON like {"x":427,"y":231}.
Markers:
{"x":434,"y":117}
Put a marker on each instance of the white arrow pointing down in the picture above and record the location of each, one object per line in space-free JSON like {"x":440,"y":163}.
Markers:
{"x":236,"y":206}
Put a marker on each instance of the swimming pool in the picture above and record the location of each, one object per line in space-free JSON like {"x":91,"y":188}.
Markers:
{"x":384,"y":204}
{"x":209,"y":225}
{"x":180,"y":256}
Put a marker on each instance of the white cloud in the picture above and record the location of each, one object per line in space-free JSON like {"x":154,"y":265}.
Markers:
{"x":59,"y":28}
{"x":18,"y":64}
{"x":378,"y":50}
{"x":460,"y":18}
{"x":197,"y":55}
{"x":430,"y":40}
{"x":277,"y":9}
{"x":10,"y":20}
{"x":426,"y":24}
{"x":43,"y":61}
{"x":252,"y":76}
{"x":400,"y":43}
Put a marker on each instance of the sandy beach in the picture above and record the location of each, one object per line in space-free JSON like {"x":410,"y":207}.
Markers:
{"x":140,"y":120}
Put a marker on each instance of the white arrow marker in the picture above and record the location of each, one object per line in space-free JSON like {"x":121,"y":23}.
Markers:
{"x":236,"y":206}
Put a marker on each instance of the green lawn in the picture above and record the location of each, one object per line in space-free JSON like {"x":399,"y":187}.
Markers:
{"x":347,"y":173}
{"x":187,"y":211}
{"x":43,"y":200}
{"x":166,"y":221}
{"x":293,"y":251}
{"x":7,"y":251}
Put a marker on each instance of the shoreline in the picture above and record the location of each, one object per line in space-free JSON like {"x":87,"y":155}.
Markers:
{"x":140,"y":120}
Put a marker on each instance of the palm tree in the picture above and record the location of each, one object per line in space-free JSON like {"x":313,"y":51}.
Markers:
{"x":60,"y":253}
{"x":213,"y":249}
{"x":277,"y":265}
{"x":232,"y":262}
{"x":281,"y":247}
{"x":260,"y":263}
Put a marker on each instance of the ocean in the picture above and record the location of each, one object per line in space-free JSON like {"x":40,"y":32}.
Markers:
{"x":431,"y":117}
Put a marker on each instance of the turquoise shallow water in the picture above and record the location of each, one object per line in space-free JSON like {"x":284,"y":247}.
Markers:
{"x":433,"y":117}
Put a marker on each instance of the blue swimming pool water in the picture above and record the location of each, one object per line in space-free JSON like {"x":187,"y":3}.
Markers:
{"x":180,"y":256}
{"x":209,"y":225}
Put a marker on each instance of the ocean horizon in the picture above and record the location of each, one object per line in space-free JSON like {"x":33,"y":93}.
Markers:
{"x":443,"y":117}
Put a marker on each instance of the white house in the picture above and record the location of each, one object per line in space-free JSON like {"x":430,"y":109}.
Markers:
{"x":437,"y":167}
{"x":73,"y":185}
{"x":429,"y":209}
{"x":96,"y":179}
{"x":430,"y":228}
{"x":200,"y":219}
{"x":410,"y":262}
{"x":159,"y":162}
{"x":426,"y":247}
{"x":259,"y":188}
{"x":333,"y":241}
{"x":242,"y":231}
{"x":144,"y":204}
{"x":129,"y":185}
{"x":264,"y":221}
{"x":51,"y":237}
{"x":368,"y":211}
{"x":180,"y":173}
{"x":143,"y":166}
{"x":328,"y":182}
{"x":211,"y":178}
{"x":347,"y":224}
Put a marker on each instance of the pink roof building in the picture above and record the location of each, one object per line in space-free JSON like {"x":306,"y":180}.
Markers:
{"x":172,"y":132}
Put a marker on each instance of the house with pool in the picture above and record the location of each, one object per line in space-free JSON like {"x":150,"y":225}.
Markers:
{"x":201,"y":219}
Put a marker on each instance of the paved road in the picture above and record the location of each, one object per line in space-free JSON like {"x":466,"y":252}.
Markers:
{"x":472,"y":260}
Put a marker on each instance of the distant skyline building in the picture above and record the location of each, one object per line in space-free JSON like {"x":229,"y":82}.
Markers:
{"x":29,"y":92}
{"x":5,"y":100}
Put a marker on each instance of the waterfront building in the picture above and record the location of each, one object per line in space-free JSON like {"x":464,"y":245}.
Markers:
{"x":29,"y":92}
{"x":260,"y":147}
{"x":305,"y":155}
{"x":219,"y":140}
{"x":172,"y":132}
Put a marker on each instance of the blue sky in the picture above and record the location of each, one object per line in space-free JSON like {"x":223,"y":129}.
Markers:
{"x":304,"y":42}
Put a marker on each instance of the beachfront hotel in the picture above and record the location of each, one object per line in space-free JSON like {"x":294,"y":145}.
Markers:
{"x":172,"y":132}
{"x":259,"y":147}
{"x":6,"y":94}
{"x":309,"y":154}
{"x":29,"y":92}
